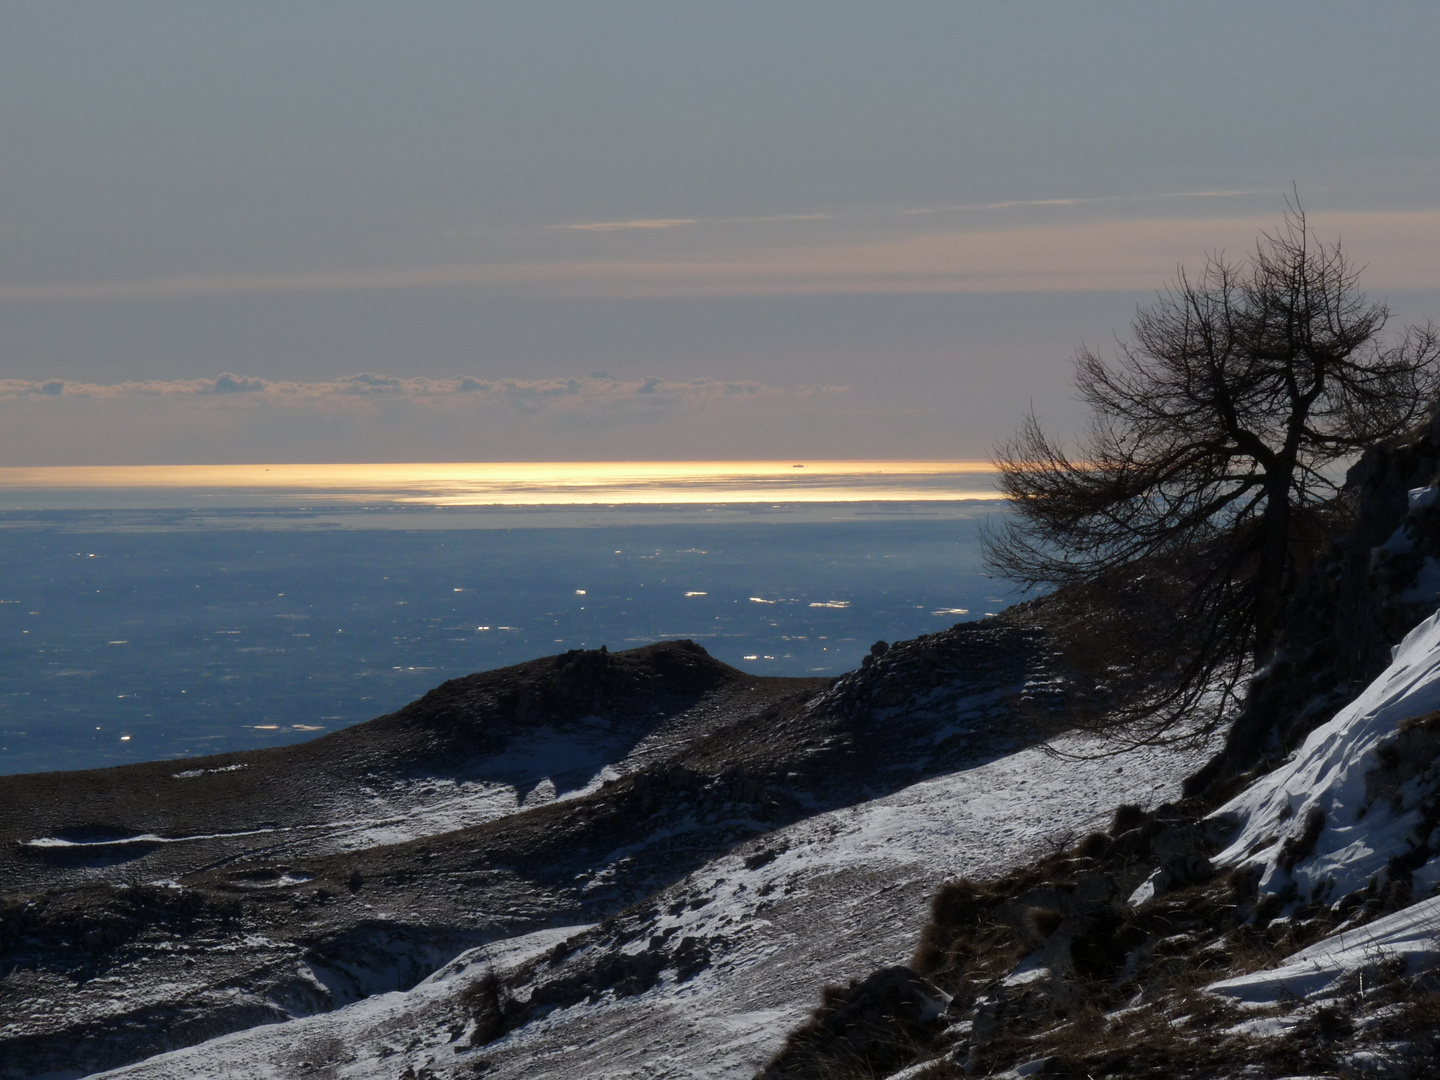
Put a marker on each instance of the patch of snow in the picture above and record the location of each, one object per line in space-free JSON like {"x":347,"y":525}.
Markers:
{"x":1030,"y":970}
{"x":289,"y":877}
{"x":1422,"y":498}
{"x":1146,"y":890}
{"x":912,"y":1072}
{"x":191,"y":774}
{"x":1402,"y":540}
{"x":142,"y":838}
{"x":1411,"y":935}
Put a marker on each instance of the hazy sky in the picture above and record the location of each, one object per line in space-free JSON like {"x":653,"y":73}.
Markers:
{"x":361,"y":231}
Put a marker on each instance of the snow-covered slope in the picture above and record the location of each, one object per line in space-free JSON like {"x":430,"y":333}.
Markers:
{"x":1350,"y":822}
{"x":827,"y":899}
{"x":1355,"y":809}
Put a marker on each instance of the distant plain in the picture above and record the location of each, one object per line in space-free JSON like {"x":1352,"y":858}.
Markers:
{"x":167,"y":620}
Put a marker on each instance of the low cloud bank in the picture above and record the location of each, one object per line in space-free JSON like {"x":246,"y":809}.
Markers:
{"x":596,"y":393}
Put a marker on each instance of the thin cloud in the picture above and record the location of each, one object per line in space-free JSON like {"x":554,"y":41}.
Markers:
{"x":777,"y":217}
{"x":643,"y":223}
{"x":671,"y":223}
{"x":1401,"y":248}
{"x":1011,"y":204}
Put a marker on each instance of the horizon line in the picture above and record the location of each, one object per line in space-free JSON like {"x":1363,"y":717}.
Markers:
{"x":548,"y":483}
{"x":405,"y":473}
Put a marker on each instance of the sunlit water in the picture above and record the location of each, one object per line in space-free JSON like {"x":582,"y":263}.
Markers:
{"x":158,"y":619}
{"x":524,"y":483}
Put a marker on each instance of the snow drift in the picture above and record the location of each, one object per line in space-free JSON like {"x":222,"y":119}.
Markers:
{"x":1355,"y":809}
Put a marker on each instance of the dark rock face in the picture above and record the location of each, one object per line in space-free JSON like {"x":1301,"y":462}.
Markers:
{"x":481,"y":713}
{"x":1357,"y":601}
{"x":989,"y":669}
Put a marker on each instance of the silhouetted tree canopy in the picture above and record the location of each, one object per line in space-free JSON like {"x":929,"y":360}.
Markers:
{"x":1210,"y":467}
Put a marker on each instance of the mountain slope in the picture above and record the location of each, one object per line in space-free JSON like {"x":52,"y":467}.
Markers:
{"x":703,"y":978}
{"x":1289,"y":930}
{"x":255,"y":888}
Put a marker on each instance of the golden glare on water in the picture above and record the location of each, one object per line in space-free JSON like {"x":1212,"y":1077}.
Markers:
{"x":546,"y":483}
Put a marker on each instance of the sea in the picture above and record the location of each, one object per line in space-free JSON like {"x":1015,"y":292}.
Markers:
{"x":171,"y":612}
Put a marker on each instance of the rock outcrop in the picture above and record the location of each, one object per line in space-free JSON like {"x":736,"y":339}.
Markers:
{"x":1359,"y":599}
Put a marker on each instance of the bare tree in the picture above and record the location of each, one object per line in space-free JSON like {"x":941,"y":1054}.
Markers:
{"x":1211,"y":462}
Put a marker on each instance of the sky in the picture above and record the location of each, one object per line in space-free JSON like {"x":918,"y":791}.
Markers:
{"x":356,"y":231}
